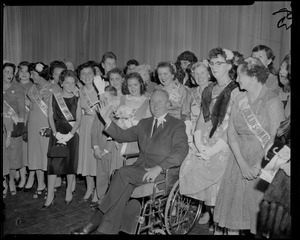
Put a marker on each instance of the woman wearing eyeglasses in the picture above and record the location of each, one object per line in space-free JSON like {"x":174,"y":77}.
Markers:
{"x":202,"y":171}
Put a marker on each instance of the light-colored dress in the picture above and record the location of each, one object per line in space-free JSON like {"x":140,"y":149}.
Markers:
{"x":14,"y":97}
{"x":178,"y":98}
{"x":87,"y":163}
{"x":201,"y":179}
{"x":238,"y":200}
{"x":25,"y":88}
{"x":37,"y":144}
{"x":7,"y":127}
{"x":139,"y":106}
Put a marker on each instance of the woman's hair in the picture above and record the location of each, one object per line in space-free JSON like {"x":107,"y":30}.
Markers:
{"x":94,"y":64}
{"x":41,"y":68}
{"x":253,"y":67}
{"x":9,"y":64}
{"x":57,"y":64}
{"x":112,"y":90}
{"x":130,"y":62}
{"x":22,"y":64}
{"x":213,"y":53}
{"x":287,"y":59}
{"x":187,"y":56}
{"x":67,"y":73}
{"x":136,"y":76}
{"x":82,"y":66}
{"x":169,"y":65}
{"x":116,"y":70}
{"x":270,"y":55}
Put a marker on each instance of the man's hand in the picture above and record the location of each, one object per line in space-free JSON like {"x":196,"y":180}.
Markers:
{"x":152,"y":173}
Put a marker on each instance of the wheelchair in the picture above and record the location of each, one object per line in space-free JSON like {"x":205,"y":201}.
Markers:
{"x":159,"y":208}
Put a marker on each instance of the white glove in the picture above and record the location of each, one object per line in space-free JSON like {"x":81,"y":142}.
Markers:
{"x":67,"y":137}
{"x":59,"y":136}
{"x":99,"y":83}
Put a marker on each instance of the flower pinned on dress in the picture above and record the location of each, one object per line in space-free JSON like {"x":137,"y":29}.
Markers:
{"x":229,"y":54}
{"x":39,"y":67}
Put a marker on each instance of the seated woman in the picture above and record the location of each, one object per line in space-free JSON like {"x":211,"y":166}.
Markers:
{"x":178,"y":94}
{"x":284,"y":76}
{"x":202,"y":171}
{"x":134,"y":106}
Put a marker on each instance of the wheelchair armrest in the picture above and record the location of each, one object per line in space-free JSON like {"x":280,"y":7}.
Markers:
{"x":130,"y":155}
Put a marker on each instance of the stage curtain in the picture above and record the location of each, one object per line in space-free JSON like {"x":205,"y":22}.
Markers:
{"x":146,"y":33}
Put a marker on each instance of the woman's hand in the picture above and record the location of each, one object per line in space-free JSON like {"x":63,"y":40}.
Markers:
{"x":7,"y":141}
{"x":246,"y":171}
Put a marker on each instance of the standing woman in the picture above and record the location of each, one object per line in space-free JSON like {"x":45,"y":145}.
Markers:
{"x":178,"y":94}
{"x":23,"y":77}
{"x":14,"y":100}
{"x":87,"y":163}
{"x":39,"y":95}
{"x":255,"y":117}
{"x":266,"y":56}
{"x":64,"y":118}
{"x":201,"y":173}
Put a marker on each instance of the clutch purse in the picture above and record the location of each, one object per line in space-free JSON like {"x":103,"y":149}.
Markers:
{"x":58,"y":151}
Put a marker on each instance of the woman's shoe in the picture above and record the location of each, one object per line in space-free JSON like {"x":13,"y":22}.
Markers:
{"x":28,"y":189}
{"x":44,"y":207}
{"x":13,"y":192}
{"x":68,"y":202}
{"x":94,"y":205}
{"x":40,"y":193}
{"x":83,"y":200}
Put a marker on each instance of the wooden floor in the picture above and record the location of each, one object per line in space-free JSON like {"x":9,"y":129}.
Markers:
{"x":23,"y":214}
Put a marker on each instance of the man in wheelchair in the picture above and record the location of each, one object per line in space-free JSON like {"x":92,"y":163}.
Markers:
{"x":162,"y":143}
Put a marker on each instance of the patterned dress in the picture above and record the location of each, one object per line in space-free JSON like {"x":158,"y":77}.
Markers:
{"x":14,"y":96}
{"x":37,"y":144}
{"x":238,"y":200}
{"x":87,"y":163}
{"x":201,"y":179}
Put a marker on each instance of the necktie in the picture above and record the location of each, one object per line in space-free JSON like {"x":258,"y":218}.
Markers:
{"x":154,"y":127}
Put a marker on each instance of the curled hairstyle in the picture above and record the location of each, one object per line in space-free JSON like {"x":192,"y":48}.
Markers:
{"x":270,"y":55}
{"x":57,"y":64}
{"x":22,"y":64}
{"x":287,"y":59}
{"x":132,"y":62}
{"x":169,"y":65}
{"x":42,"y":69}
{"x":9,"y":64}
{"x":187,"y":56}
{"x":67,"y":73}
{"x":213,"y":53}
{"x":137,"y":76}
{"x":84,"y":65}
{"x":253,"y":67}
{"x":116,"y":70}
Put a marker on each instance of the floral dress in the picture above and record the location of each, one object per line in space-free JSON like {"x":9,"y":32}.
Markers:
{"x":201,"y":179}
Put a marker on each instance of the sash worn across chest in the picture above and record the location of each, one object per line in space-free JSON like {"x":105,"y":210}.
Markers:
{"x":196,"y":95}
{"x":10,"y":112}
{"x":37,"y":98}
{"x":262,"y":135}
{"x":63,"y":107}
{"x":87,"y":99}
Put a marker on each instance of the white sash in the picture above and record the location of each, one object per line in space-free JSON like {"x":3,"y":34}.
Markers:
{"x":63,"y":107}
{"x":196,"y":95}
{"x":11,"y":113}
{"x":262,"y":135}
{"x":37,"y":98}
{"x":88,"y":100}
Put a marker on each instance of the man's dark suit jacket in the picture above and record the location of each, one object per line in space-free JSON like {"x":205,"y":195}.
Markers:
{"x":167,"y":147}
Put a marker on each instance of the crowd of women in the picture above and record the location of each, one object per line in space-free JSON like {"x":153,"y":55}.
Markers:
{"x":235,"y":108}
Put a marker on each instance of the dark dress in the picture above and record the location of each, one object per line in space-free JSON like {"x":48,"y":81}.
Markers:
{"x":64,"y":165}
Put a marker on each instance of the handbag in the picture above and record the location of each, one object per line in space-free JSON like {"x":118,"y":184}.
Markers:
{"x":58,"y":151}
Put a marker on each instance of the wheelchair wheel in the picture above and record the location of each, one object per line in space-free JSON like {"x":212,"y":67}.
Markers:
{"x":181,"y":212}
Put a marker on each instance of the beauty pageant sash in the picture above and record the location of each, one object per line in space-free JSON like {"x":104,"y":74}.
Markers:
{"x":63,"y":107}
{"x":10,"y":112}
{"x":262,"y":135}
{"x":37,"y":98}
{"x":196,"y":95}
{"x":88,"y":100}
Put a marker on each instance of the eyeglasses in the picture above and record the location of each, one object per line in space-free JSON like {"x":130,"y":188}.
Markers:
{"x":217,"y":64}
